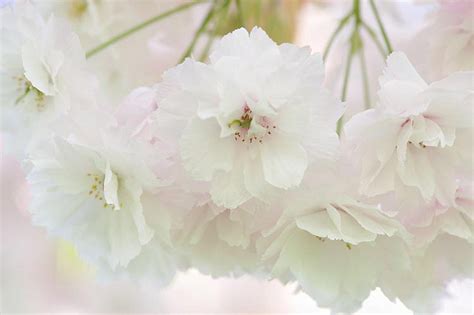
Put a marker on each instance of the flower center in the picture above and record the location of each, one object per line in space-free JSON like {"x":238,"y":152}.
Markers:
{"x":244,"y":121}
{"x":96,"y":190}
{"x":421,"y":136}
{"x":250,"y":128}
{"x":26,"y":89}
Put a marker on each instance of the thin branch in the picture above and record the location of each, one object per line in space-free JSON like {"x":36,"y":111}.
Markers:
{"x":365,"y":77}
{"x":345,"y":84}
{"x":382,"y":28}
{"x":223,"y":13}
{"x":198,"y":33}
{"x":338,"y":29}
{"x":374,"y":38}
{"x":140,"y":26}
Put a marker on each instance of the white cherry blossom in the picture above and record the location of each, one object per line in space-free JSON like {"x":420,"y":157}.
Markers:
{"x":43,"y":72}
{"x":413,"y":143}
{"x":92,"y":197}
{"x":325,"y":237}
{"x":251,"y":121}
{"x":446,"y":42}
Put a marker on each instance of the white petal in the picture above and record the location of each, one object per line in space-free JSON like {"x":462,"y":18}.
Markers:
{"x":401,"y":98}
{"x":284,"y":161}
{"x":255,"y":181}
{"x":400,"y":68}
{"x":203,"y":150}
{"x":37,"y":72}
{"x":319,"y":224}
{"x":418,"y":172}
{"x":111,"y":187}
{"x":228,"y":188}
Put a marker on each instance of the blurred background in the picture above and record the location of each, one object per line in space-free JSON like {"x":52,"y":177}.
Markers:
{"x":44,"y":275}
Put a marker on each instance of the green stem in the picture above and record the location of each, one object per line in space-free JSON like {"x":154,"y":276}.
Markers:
{"x":223,"y":13}
{"x":354,"y":46}
{"x":199,"y":32}
{"x":338,"y":29}
{"x":365,"y":78}
{"x":374,"y":38}
{"x":345,"y":84}
{"x":382,"y":28}
{"x":140,"y":26}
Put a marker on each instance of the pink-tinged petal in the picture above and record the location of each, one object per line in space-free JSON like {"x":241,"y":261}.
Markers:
{"x":136,"y":107}
{"x":418,"y":172}
{"x":458,"y":81}
{"x":451,"y":108}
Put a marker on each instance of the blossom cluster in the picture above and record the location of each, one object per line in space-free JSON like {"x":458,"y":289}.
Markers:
{"x":234,"y":166}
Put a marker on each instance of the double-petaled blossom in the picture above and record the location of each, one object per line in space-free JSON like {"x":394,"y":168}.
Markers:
{"x":446,"y":42}
{"x":91,"y":196}
{"x":43,"y":72}
{"x":234,"y":166}
{"x":251,"y":121}
{"x":412,"y":146}
{"x":325,"y":237}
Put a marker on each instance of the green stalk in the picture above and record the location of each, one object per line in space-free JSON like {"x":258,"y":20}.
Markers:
{"x":355,"y":40}
{"x":382,"y":28}
{"x":199,"y":32}
{"x":140,"y":26}
{"x":365,"y":77}
{"x":374,"y":38}
{"x":223,"y":13}
{"x":345,"y":85}
{"x":336,"y":32}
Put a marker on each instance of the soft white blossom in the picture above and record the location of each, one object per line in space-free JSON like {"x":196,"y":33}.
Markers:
{"x":92,"y":197}
{"x":251,"y":121}
{"x":446,"y":43}
{"x":43,"y":73}
{"x":413,"y":144}
{"x":326,"y":237}
{"x":422,"y":284}
{"x":220,"y":241}
{"x":456,"y":220}
{"x":141,"y":58}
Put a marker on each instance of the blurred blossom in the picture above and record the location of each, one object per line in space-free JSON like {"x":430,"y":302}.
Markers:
{"x":446,"y":43}
{"x":139,"y":59}
{"x":43,"y":75}
{"x":153,"y":182}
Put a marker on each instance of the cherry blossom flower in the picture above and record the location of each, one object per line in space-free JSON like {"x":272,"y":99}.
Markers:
{"x":326,"y":235}
{"x":412,"y":144}
{"x":251,"y":121}
{"x":422,"y":283}
{"x":43,"y":72}
{"x":446,"y":43}
{"x":457,"y":220}
{"x":220,"y":241}
{"x":92,"y":197}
